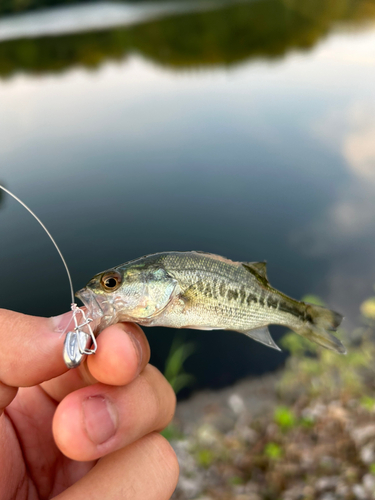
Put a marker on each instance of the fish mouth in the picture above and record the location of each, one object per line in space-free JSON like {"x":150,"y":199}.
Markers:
{"x":89,"y":300}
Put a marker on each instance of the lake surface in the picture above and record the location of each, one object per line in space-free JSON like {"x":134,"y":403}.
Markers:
{"x":246,"y":131}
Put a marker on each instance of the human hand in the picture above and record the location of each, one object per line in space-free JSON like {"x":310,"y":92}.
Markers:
{"x":84,"y":433}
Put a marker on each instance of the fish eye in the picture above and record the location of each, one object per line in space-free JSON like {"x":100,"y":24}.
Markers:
{"x":111,"y":281}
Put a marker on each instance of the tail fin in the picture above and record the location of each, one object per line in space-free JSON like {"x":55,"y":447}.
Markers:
{"x":319,"y":322}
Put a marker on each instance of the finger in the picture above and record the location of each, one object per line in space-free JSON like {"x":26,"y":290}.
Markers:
{"x":7,"y":394}
{"x":30,"y":348}
{"x":119,"y":358}
{"x":100,"y":419}
{"x":145,"y":470}
{"x":123,"y":352}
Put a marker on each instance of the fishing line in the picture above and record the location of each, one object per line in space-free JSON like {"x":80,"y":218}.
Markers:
{"x":76,"y":342}
{"x":49,"y":234}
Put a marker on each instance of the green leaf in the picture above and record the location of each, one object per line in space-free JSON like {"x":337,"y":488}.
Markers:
{"x":273,"y":451}
{"x":181,"y":381}
{"x":235,"y":480}
{"x":171,"y":433}
{"x":174,"y":370}
{"x":368,"y":308}
{"x":313,"y":299}
{"x":205,"y":458}
{"x":285,"y":418}
{"x":367,"y":402}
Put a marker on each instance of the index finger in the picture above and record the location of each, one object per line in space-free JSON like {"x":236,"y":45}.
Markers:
{"x":31,"y":348}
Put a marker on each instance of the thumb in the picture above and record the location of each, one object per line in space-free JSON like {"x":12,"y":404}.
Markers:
{"x":31,"y":348}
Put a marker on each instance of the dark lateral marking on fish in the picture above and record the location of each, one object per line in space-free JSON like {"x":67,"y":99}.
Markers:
{"x":272,"y":302}
{"x":200,"y":285}
{"x":307,"y":317}
{"x":259,"y":275}
{"x":251,"y":298}
{"x":214,"y":288}
{"x":232,"y":294}
{"x":261,"y":300}
{"x":242,"y":294}
{"x":222,"y":289}
{"x":290,"y":308}
{"x":208,"y":291}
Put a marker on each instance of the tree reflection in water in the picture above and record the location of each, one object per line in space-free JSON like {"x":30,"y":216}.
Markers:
{"x":266,"y":29}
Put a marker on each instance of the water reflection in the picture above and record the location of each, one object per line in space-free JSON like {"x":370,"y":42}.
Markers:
{"x":260,"y":29}
{"x":345,"y":231}
{"x":68,"y":19}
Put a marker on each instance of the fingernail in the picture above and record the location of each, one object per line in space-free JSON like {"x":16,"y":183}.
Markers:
{"x":61,"y":323}
{"x":100,"y":419}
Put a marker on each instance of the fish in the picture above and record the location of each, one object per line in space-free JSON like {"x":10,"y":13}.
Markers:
{"x":203,"y":291}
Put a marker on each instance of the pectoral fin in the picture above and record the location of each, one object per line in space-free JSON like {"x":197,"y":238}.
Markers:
{"x":263,"y":336}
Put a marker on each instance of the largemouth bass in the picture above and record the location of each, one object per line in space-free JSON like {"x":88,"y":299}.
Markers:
{"x":205,"y":292}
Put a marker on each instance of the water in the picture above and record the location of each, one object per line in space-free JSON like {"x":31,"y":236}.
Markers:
{"x":80,"y":18}
{"x":248,"y":131}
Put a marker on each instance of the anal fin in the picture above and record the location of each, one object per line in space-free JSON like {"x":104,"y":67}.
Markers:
{"x":263,"y":336}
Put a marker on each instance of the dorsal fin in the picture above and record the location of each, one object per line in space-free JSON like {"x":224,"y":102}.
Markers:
{"x":259,"y":267}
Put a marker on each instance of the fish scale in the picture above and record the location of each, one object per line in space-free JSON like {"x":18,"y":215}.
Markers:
{"x":217,"y":309}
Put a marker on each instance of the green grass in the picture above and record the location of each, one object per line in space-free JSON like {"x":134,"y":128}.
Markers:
{"x":321,"y":371}
{"x":368,"y":403}
{"x":273,"y":451}
{"x":235,"y":480}
{"x":285,"y":418}
{"x":172,"y":433}
{"x":174,"y":370}
{"x":205,"y":457}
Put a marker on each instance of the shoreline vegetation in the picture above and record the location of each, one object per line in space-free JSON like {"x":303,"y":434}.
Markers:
{"x":262,"y":29}
{"x":306,"y":432}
